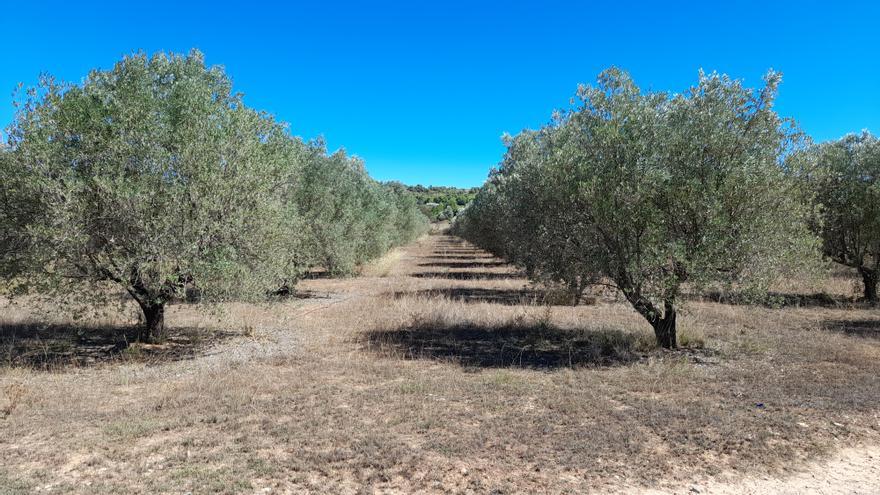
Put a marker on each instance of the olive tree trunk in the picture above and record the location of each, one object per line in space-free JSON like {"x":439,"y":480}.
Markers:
{"x":663,"y":324}
{"x":664,"y":327}
{"x":575,"y":290}
{"x":153,"y":328}
{"x":870,"y":277}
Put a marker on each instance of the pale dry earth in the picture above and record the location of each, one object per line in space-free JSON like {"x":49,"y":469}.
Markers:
{"x":849,"y":471}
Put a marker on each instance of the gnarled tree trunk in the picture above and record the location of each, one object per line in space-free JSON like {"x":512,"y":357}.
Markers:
{"x":870,"y":278}
{"x":154,"y":322}
{"x":663,"y":324}
{"x":664,"y":327}
{"x":152,"y":303}
{"x":575,"y":290}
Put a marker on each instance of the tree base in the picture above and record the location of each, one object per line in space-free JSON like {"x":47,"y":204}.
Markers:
{"x":870,"y":278}
{"x":665,"y":328}
{"x":153,"y":329}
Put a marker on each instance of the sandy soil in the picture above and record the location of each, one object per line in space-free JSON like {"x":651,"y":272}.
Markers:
{"x":850,"y":471}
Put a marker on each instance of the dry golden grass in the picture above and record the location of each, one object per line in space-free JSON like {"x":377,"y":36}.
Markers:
{"x":442,"y":371}
{"x":384,"y":266}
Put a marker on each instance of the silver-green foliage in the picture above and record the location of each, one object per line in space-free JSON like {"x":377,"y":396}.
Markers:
{"x":155,"y":176}
{"x":647,"y":192}
{"x":845,"y":181}
{"x":349,"y":217}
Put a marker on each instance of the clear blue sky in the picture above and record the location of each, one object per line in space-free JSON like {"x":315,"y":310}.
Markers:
{"x":423,"y":90}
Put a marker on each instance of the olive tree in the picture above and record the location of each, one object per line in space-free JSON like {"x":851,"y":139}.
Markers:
{"x":407,"y":222}
{"x":328,"y":195}
{"x":650,"y":192}
{"x":14,"y":207}
{"x":349,"y":218}
{"x":153,"y":176}
{"x":846,"y":187}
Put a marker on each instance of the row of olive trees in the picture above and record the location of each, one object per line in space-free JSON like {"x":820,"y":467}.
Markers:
{"x":154,"y":176}
{"x":845,"y":181}
{"x":650,"y":193}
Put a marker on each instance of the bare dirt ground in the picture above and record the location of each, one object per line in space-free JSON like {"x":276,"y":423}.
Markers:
{"x":848,"y":471}
{"x":440,"y":370}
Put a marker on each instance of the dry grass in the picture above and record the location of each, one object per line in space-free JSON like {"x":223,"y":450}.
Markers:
{"x":384,"y":266}
{"x":443,"y":372}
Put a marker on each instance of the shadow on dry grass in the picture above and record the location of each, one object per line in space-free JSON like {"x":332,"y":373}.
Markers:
{"x":858,"y":328}
{"x":458,"y":250}
{"x":780,"y":299}
{"x":463,"y":264}
{"x":509,"y":297}
{"x":286,"y":293}
{"x":317,"y":274}
{"x":466,"y":275}
{"x":55,"y":346}
{"x":458,"y":256}
{"x":526,"y":345}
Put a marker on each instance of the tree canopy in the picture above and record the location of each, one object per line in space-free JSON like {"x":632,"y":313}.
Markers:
{"x":155,"y":176}
{"x":845,"y":182}
{"x":647,"y":192}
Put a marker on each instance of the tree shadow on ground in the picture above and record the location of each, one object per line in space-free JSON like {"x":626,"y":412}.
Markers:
{"x":537,"y":346}
{"x":49,"y":347}
{"x":511,"y":297}
{"x":467,"y":275}
{"x":463,"y":264}
{"x":778,"y":299}
{"x":472,"y":257}
{"x":859,"y":328}
{"x":317,"y":274}
{"x":286,"y":292}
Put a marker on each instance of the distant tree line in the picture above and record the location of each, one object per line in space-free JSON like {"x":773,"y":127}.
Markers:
{"x":650,"y":193}
{"x":154,"y":176}
{"x":442,"y":203}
